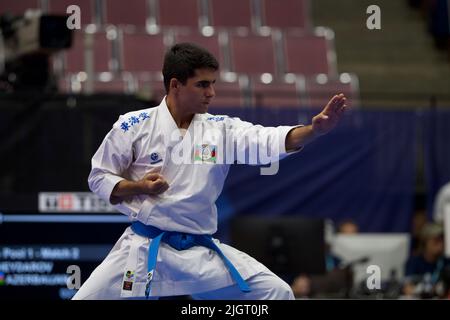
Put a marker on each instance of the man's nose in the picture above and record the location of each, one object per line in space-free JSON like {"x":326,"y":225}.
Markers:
{"x":210,"y":92}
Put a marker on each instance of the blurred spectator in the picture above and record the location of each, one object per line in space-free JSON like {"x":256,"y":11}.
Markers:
{"x":348,"y":226}
{"x":423,"y":270}
{"x":338,"y":279}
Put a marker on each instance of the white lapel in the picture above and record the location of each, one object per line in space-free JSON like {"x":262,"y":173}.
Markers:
{"x":172,"y":136}
{"x":167,"y":123}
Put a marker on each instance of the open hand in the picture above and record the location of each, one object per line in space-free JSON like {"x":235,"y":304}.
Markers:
{"x":330,"y":116}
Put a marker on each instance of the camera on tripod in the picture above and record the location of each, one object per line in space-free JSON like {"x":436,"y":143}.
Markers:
{"x":26,"y":44}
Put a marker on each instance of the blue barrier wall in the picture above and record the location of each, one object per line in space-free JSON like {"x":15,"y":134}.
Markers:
{"x":363,"y":170}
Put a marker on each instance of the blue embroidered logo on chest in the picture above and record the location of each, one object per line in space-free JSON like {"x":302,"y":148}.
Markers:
{"x":155,"y":158}
{"x":216,"y":118}
{"x":133,"y":120}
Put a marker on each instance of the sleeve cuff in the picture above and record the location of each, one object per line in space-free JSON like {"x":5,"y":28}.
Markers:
{"x":109,"y":183}
{"x":284,"y":130}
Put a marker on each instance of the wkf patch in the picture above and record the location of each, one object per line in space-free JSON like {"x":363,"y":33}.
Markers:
{"x":205,"y":153}
{"x":128,"y":280}
{"x":129,"y":275}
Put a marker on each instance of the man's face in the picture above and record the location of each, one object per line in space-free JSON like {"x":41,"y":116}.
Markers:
{"x":435,"y":245}
{"x":197,"y":94}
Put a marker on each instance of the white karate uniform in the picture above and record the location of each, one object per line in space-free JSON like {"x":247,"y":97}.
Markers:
{"x":149,"y":140}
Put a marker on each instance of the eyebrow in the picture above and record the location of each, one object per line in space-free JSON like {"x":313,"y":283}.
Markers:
{"x":206,"y":81}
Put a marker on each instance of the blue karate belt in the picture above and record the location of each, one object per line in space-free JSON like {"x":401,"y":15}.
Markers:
{"x":180,"y":241}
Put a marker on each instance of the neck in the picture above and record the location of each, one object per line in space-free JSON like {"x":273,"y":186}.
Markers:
{"x":182,"y":119}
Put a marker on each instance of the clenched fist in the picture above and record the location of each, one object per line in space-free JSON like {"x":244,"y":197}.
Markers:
{"x":153,"y":184}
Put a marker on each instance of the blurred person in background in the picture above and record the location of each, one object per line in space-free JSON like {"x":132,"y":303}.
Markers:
{"x":338,"y":279}
{"x":423,"y":270}
{"x":348,"y":226}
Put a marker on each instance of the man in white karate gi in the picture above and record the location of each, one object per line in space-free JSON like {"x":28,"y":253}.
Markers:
{"x":165,"y":167}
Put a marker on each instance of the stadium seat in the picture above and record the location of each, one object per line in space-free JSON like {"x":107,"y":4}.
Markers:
{"x":175,"y":13}
{"x":102,"y":83}
{"x":252,"y":54}
{"x":308,"y":54}
{"x":231,"y":13}
{"x":320,"y":89}
{"x":74,"y":57}
{"x":151,"y":88}
{"x":142,"y":52}
{"x":117,"y":85}
{"x":101,"y":53}
{"x":275,"y":94}
{"x":285,"y":14}
{"x":230,"y":94}
{"x":129,"y":12}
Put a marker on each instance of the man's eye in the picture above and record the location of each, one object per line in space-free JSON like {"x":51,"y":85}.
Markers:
{"x":203,"y":84}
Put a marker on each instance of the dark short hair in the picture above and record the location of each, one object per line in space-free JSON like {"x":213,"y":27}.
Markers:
{"x":182,"y":59}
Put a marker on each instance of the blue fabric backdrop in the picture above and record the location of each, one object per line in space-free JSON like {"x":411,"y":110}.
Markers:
{"x":363,"y":170}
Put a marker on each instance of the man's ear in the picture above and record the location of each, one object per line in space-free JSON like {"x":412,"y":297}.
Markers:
{"x":174,"y":84}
